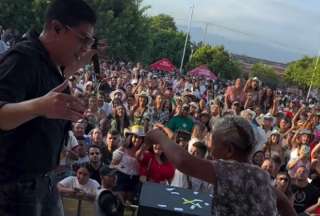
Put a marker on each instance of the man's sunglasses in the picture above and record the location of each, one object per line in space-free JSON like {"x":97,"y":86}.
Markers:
{"x":86,"y":40}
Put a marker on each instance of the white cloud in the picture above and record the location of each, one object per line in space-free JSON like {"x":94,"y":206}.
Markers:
{"x":294,"y":23}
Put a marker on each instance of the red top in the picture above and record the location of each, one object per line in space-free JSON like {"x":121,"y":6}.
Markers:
{"x":154,"y":171}
{"x":316,"y":211}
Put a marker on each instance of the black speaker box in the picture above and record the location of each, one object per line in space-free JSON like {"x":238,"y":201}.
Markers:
{"x":163,"y":200}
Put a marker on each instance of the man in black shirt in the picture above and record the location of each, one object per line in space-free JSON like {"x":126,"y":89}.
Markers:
{"x":35,"y":108}
{"x":305,"y":194}
{"x":95,"y":163}
{"x":111,"y":144}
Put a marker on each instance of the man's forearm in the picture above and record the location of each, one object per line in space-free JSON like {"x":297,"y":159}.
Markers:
{"x":90,"y":196}
{"x":13,"y":115}
{"x":65,"y":191}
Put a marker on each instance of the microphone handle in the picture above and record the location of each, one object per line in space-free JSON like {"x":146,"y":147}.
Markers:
{"x":96,"y":64}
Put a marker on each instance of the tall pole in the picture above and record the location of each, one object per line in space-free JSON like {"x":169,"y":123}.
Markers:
{"x":313,"y":75}
{"x":205,"y":34}
{"x":187,"y":37}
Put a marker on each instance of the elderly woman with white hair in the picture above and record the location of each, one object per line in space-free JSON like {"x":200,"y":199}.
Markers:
{"x":240,"y":188}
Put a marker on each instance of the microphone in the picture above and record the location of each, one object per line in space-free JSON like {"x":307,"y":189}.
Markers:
{"x":95,"y":58}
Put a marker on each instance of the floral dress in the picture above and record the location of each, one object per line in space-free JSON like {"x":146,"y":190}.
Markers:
{"x":140,"y":118}
{"x":242,"y":189}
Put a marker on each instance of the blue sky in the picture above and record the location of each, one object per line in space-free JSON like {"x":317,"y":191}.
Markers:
{"x":293,"y":25}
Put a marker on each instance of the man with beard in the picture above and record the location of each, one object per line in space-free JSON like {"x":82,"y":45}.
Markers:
{"x":95,"y":163}
{"x":305,"y":194}
{"x":111,"y":144}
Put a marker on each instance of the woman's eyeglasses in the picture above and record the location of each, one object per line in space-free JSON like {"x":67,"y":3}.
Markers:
{"x":283,"y":179}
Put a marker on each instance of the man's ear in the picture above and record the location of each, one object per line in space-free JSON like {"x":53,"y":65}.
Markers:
{"x":56,"y":26}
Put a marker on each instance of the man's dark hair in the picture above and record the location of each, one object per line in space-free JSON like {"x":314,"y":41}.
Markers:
{"x":201,"y":147}
{"x":70,"y":12}
{"x":286,"y":119}
{"x":276,"y":159}
{"x":113,"y":132}
{"x":94,"y":146}
{"x":110,"y":204}
{"x":77,"y":166}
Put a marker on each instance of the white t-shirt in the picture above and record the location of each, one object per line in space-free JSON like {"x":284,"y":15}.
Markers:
{"x":72,"y":142}
{"x":261,"y":137}
{"x":191,"y":142}
{"x":90,"y":187}
{"x":200,"y":186}
{"x":179,"y":180}
{"x":128,"y":165}
{"x":107,"y":108}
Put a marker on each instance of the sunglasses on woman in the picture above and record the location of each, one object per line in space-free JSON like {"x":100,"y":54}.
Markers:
{"x":283,"y":179}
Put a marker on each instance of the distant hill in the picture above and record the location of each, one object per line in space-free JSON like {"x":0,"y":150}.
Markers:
{"x":241,"y":47}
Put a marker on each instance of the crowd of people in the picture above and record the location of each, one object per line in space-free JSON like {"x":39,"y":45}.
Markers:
{"x":126,"y":101}
{"x":8,"y":38}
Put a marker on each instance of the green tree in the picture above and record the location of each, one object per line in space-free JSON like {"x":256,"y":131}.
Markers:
{"x":266,"y":74}
{"x":22,"y":15}
{"x":131,"y":35}
{"x":163,"y":22}
{"x":166,"y":41}
{"x":169,"y":44}
{"x":217,"y":59}
{"x":122,"y":22}
{"x":125,"y":26}
{"x":302,"y":73}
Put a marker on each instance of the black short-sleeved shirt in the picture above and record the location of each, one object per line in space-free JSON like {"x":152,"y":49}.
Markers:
{"x":305,"y":197}
{"x":95,"y":173}
{"x":27,"y":72}
{"x":106,"y":155}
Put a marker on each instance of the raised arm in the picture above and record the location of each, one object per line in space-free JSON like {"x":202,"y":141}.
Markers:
{"x":315,"y":151}
{"x":312,"y":209}
{"x":247,"y":85}
{"x":165,"y":129}
{"x":296,"y":116}
{"x":181,"y":159}
{"x":275,"y":106}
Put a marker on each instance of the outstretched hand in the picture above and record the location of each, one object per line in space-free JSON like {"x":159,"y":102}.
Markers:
{"x":158,"y":126}
{"x":153,"y":136}
{"x":58,"y":105}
